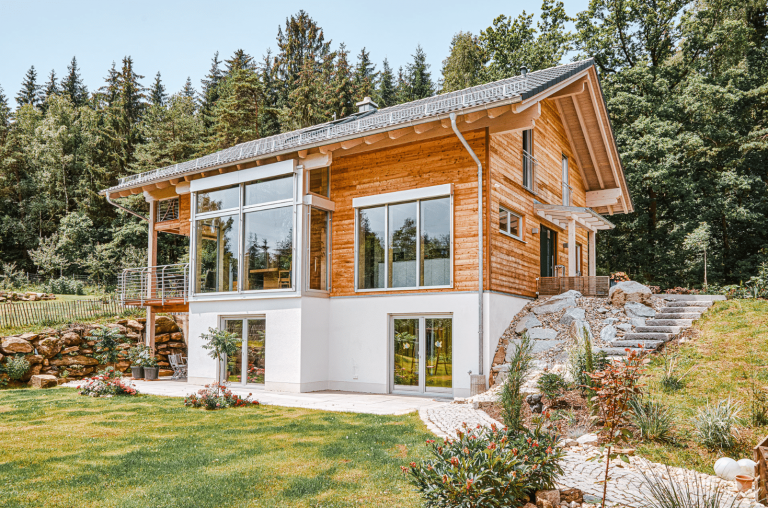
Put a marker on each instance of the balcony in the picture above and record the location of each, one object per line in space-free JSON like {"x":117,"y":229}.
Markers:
{"x":155,"y":286}
{"x":587,"y":286}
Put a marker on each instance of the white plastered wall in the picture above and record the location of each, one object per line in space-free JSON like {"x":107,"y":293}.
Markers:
{"x":500,"y":310}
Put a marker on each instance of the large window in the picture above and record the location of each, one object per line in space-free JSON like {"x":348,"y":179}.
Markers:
{"x":404,"y":245}
{"x":252,"y":222}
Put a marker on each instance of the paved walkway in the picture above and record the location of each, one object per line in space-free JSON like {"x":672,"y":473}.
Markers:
{"x":323,"y":400}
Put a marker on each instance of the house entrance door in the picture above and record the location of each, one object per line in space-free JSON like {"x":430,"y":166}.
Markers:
{"x":248,"y":365}
{"x":548,"y":251}
{"x":422,"y":349}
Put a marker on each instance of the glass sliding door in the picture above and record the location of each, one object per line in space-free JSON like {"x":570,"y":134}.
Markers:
{"x":422,"y":358}
{"x":248,"y":365}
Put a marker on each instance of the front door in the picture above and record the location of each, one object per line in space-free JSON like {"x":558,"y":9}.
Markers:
{"x":247,"y":366}
{"x":548,"y":251}
{"x":422,"y":349}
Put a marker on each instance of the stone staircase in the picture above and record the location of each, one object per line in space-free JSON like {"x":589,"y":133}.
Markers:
{"x":678,"y":314}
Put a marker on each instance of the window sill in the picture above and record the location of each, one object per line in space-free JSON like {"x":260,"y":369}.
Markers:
{"x":508,"y":235}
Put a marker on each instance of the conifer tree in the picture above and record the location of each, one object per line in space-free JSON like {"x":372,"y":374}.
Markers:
{"x":464,"y":65}
{"x":189,"y":91}
{"x":73,"y":86}
{"x":157,"y":95}
{"x":210,"y":92}
{"x":240,"y":60}
{"x":420,"y":83}
{"x":236,"y":114}
{"x":386,"y":91}
{"x":341,"y":91}
{"x":365,"y":76}
{"x":269,"y":122}
{"x":5,"y":113}
{"x":51,"y":87}
{"x":305,"y":100}
{"x":403,"y":87}
{"x":30,"y":90}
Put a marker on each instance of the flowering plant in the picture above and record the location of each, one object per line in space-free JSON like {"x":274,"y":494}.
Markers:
{"x":106,"y":385}
{"x":218,"y":396}
{"x":141,"y":355}
{"x":487,"y":467}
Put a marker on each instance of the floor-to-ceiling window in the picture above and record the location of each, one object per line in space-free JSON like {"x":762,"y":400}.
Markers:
{"x":422,"y":354}
{"x":248,"y":364}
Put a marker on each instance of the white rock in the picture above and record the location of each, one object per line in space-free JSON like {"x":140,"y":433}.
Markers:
{"x":747,"y":466}
{"x":727,"y":468}
{"x":571,"y":315}
{"x":629,"y":291}
{"x":527,"y":322}
{"x":603,"y":310}
{"x":554,"y":306}
{"x":624,"y":326}
{"x":539,"y":333}
{"x":576,"y":330}
{"x":588,"y":440}
{"x":608,"y":333}
{"x":638,"y":321}
{"x":567,"y":295}
{"x":638,"y":310}
{"x":610,"y":320}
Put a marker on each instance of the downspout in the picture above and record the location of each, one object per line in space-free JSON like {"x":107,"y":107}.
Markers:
{"x":479,"y":239}
{"x":121,"y":207}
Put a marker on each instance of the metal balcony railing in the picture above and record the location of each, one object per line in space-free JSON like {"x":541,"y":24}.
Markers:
{"x":167,"y":282}
{"x":168,"y":209}
{"x":567,"y":193}
{"x":530,"y":166}
{"x":587,"y":286}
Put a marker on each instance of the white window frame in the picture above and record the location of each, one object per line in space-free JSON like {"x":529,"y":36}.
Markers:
{"x":421,"y":388}
{"x":221,"y":365}
{"x":307,"y":246}
{"x":508,"y":231}
{"x":567,"y":189}
{"x":392,"y":198}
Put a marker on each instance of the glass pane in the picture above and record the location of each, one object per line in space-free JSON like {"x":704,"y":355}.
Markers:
{"x":318,"y":249}
{"x":318,"y":181}
{"x":514,"y":225}
{"x":266,"y":191}
{"x":255,"y":351}
{"x":503,"y":220}
{"x":439,"y":350}
{"x":235,"y":362}
{"x":218,"y":199}
{"x":370,"y":256}
{"x":402,"y":245}
{"x":436,"y":242}
{"x":406,"y":352}
{"x":216,"y":254}
{"x":269,"y":248}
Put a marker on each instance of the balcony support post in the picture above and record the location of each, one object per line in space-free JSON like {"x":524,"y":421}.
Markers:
{"x":592,"y":254}
{"x":151,"y":275}
{"x":572,"y":247}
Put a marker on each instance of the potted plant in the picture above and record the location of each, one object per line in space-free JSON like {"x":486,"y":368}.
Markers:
{"x":149,"y":362}
{"x":137,"y":366}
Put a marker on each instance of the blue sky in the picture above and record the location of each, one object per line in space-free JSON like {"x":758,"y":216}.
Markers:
{"x":179,"y":38}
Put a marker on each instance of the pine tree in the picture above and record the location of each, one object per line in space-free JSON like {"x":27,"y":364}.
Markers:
{"x":269,"y":122}
{"x":365,"y":76}
{"x":464,"y":65}
{"x":210,"y":92}
{"x":403,"y":87}
{"x":386,"y":91}
{"x":73,"y":86}
{"x":420,"y":83}
{"x":108,"y":93}
{"x":341,"y":91}
{"x":30,"y":90}
{"x":189,"y":91}
{"x":51,"y":88}
{"x":236,"y":114}
{"x":240,"y":60}
{"x":307,"y":106}
{"x":5,"y":114}
{"x":157,"y":95}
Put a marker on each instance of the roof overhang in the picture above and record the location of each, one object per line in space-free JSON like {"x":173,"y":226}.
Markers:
{"x":562,"y":215}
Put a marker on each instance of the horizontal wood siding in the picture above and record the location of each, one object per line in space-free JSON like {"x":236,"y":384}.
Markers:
{"x":422,"y":164}
{"x":515,"y":264}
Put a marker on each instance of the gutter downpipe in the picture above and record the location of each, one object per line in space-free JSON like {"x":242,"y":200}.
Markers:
{"x":479,"y":238}
{"x":121,"y":207}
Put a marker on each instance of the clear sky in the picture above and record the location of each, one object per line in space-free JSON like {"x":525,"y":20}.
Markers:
{"x":179,"y":38}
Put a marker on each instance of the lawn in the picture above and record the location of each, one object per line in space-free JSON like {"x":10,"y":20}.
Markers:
{"x":729,"y":352}
{"x":61,"y":449}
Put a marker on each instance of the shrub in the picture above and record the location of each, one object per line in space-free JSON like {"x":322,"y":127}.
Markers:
{"x":581,"y":363}
{"x":652,"y":419}
{"x":758,"y":405}
{"x":670,"y":491}
{"x":717,"y":425}
{"x":552,"y":385}
{"x":511,"y":397}
{"x":108,"y":342}
{"x":104,"y":385}
{"x":16,"y":366}
{"x":218,"y":396}
{"x":64,"y":286}
{"x":487,"y":467}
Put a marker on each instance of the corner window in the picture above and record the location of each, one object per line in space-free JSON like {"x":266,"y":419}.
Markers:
{"x":404,"y":245}
{"x":319,"y":251}
{"x":510,"y":223}
{"x":216,"y":200}
{"x":268,"y":249}
{"x":217,"y":254}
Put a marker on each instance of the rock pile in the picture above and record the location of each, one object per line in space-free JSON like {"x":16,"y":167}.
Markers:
{"x":52,"y":352}
{"x":29,"y":296}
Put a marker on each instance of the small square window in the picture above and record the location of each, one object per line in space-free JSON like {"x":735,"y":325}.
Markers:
{"x":510,"y":223}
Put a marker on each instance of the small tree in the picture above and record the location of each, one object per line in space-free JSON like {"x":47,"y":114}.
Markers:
{"x":108,"y":342}
{"x":221,"y":344}
{"x":698,"y":240}
{"x":511,"y":396}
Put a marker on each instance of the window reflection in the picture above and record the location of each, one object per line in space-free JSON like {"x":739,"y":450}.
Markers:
{"x":402,"y":245}
{"x":269,"y":249}
{"x":435,"y":242}
{"x":269,"y":190}
{"x":218,"y":199}
{"x":216,"y":254}
{"x":318,"y":249}
{"x":370,"y":239}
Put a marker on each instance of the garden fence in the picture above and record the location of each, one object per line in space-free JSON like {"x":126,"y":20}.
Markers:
{"x":50,"y":312}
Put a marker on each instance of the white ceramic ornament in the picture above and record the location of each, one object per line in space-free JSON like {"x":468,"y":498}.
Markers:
{"x":747,"y":467}
{"x":727,"y":468}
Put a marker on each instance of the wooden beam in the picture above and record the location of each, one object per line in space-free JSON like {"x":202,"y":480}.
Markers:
{"x":497,"y":112}
{"x":174,"y":181}
{"x":574,"y":88}
{"x":518,"y":121}
{"x":188,"y":178}
{"x":589,"y":143}
{"x":162,"y":185}
{"x":400,"y":132}
{"x":124,"y":194}
{"x":474,"y":117}
{"x":369,"y":140}
{"x":423,"y":127}
{"x":351,"y":143}
{"x":260,"y":162}
{"x":221,"y":171}
{"x":603,"y":197}
{"x":283,"y":157}
{"x":303,"y":154}
{"x":329,"y":148}
{"x":572,"y":145}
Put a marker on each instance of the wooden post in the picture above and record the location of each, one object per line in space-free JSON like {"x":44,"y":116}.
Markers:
{"x":149,"y":328}
{"x":592,"y":256}
{"x":572,"y":247}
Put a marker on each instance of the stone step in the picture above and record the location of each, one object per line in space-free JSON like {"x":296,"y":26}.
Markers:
{"x":634,"y":344}
{"x":648,"y":336}
{"x":659,"y":329}
{"x":685,"y":323}
{"x":679,"y":315}
{"x":618,"y":351}
{"x":678,"y":310}
{"x":690,"y":303}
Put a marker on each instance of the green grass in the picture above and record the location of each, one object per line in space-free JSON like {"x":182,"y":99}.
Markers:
{"x":64,"y":322}
{"x":729,"y":352}
{"x":61,"y":449}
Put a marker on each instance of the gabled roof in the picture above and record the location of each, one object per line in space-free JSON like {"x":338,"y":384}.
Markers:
{"x":510,"y":90}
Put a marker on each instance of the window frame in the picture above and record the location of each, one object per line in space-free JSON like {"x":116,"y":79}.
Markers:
{"x":520,"y":227}
{"x":308,"y":249}
{"x":423,"y":194}
{"x":567,"y":190}
{"x":529,"y":163}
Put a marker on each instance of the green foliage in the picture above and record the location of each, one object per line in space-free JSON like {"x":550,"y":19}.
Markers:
{"x":717,"y":425}
{"x":668,"y":490}
{"x":758,"y":405}
{"x":108,"y":342}
{"x":652,"y":420}
{"x":511,"y":392}
{"x":16,"y":366}
{"x":582,"y":362}
{"x":671,"y":379}
{"x":487,"y":467}
{"x":141,"y":355}
{"x":64,"y":286}
{"x":220,"y":344}
{"x":464,"y":65}
{"x":552,"y":385}
{"x":217,"y":396}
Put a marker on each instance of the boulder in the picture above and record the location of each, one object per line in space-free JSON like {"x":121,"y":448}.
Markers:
{"x":164,"y":372}
{"x":29,"y":336}
{"x":33,"y":371}
{"x":71,"y":339}
{"x":43,"y":381}
{"x":75,"y":360}
{"x":638,"y":310}
{"x":588,"y":440}
{"x":576,"y":330}
{"x":610,"y":320}
{"x":629,"y":291}
{"x":528,"y":321}
{"x":539,"y":346}
{"x":552,"y":306}
{"x":134,"y":337}
{"x":572,"y":315}
{"x":553,"y":496}
{"x":34,"y":359}
{"x":177,"y":336}
{"x":625,"y":327}
{"x":637,"y":322}
{"x":177,"y":345}
{"x":13,"y":345}
{"x":539,"y":333}
{"x":608,"y":333}
{"x":134,"y":325}
{"x":572,"y":496}
{"x":164,"y":324}
{"x":165,"y":337}
{"x":120,"y":328}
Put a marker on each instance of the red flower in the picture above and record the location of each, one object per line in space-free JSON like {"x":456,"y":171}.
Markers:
{"x":492,"y":446}
{"x":454,"y":461}
{"x":445,"y":478}
{"x":465,"y":450}
{"x":535,"y":444}
{"x":549,"y":450}
{"x":404,"y":469}
{"x":413,"y":464}
{"x":469,"y":484}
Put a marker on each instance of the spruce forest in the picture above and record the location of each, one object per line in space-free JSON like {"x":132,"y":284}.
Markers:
{"x":686,"y":84}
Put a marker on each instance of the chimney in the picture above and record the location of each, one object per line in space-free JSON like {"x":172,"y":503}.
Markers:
{"x":523,"y":70}
{"x":366,"y":105}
